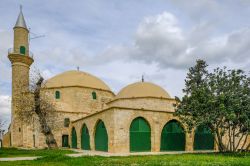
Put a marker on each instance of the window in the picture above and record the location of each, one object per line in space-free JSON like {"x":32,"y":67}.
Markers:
{"x":22,"y":50}
{"x":57,"y":95}
{"x":66,"y":122}
{"x":94,"y":95}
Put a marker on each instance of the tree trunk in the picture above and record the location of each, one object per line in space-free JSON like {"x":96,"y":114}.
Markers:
{"x":230,"y":139}
{"x":220,"y":143}
{"x":248,"y":146}
{"x":237,"y":146}
{"x":234,"y":147}
{"x":241,"y":149}
{"x":46,"y":130}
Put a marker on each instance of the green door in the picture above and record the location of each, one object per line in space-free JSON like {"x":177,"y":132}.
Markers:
{"x":140,"y":136}
{"x":85,"y":143}
{"x":173,"y":137}
{"x":65,"y":141}
{"x":203,"y":139}
{"x":74,"y":139}
{"x":101,"y":137}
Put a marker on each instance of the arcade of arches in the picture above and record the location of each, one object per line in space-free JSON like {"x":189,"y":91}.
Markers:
{"x":139,"y":133}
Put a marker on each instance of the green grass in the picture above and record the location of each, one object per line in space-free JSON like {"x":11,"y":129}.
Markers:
{"x":57,"y":157}
{"x":13,"y":152}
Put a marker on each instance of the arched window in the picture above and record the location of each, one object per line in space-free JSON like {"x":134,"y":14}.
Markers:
{"x":22,"y":50}
{"x":85,"y":142}
{"x":203,"y":138}
{"x":73,"y":138}
{"x":94,"y":95}
{"x":140,"y":135}
{"x":173,"y":137}
{"x":57,"y":95}
{"x":101,"y":137}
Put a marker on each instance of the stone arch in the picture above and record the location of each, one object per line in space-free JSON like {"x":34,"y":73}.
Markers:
{"x":140,"y":135}
{"x":101,"y":136}
{"x":203,"y":138}
{"x":174,"y":119}
{"x":85,"y":137}
{"x":73,"y":138}
{"x":173,"y":136}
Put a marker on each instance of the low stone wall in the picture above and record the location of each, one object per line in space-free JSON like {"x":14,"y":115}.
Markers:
{"x":6,"y":140}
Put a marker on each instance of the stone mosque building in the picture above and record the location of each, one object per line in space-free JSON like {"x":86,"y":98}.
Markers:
{"x":92,"y":117}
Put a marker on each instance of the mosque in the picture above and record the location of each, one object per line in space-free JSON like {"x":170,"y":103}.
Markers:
{"x":90,"y":116}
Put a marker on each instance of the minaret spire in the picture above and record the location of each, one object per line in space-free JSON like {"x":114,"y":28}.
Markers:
{"x":20,"y":20}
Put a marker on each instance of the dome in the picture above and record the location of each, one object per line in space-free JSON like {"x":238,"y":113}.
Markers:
{"x":76,"y":78}
{"x":142,"y":89}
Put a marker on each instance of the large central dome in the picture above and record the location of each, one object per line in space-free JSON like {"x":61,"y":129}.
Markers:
{"x":142,"y":89}
{"x":76,"y":78}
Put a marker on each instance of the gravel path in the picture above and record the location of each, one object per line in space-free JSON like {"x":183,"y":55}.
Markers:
{"x":81,"y":153}
{"x":19,"y":158}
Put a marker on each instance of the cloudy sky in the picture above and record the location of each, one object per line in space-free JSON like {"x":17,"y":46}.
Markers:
{"x":118,"y":41}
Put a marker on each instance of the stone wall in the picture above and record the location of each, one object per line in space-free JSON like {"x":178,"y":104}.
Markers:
{"x":150,"y":103}
{"x":156,"y":120}
{"x":6,"y":140}
{"x":79,"y":99}
{"x":33,"y":137}
{"x":118,"y":121}
{"x":91,"y":121}
{"x":75,"y":103}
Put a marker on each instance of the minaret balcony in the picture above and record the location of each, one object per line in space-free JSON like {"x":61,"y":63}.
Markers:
{"x":13,"y":51}
{"x":16,"y":56}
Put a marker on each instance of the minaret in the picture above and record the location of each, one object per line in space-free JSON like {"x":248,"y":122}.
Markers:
{"x":21,"y":60}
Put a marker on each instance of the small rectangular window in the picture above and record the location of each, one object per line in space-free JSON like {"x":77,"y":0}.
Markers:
{"x":66,"y":122}
{"x":57,"y":95}
{"x":94,"y":95}
{"x":22,"y":50}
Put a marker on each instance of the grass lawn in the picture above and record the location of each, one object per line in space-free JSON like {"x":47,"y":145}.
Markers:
{"x":57,"y":157}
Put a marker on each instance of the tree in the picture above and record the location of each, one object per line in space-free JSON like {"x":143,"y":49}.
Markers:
{"x":1,"y":125}
{"x":35,"y":104}
{"x":1,"y":131}
{"x":221,"y":101}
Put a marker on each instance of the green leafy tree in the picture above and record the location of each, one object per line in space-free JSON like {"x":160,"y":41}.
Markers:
{"x":221,"y":101}
{"x":1,"y":125}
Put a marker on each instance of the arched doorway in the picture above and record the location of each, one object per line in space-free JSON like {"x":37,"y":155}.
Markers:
{"x":101,"y":137}
{"x":85,"y":143}
{"x":73,"y":138}
{"x":140,"y":135}
{"x":203,"y":138}
{"x":173,"y":137}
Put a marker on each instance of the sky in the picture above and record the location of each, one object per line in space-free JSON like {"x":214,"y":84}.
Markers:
{"x":119,"y":41}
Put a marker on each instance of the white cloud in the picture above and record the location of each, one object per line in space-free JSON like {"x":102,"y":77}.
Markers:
{"x":160,"y":39}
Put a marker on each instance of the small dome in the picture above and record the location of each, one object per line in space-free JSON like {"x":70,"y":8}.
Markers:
{"x":76,"y":78}
{"x":142,"y":89}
